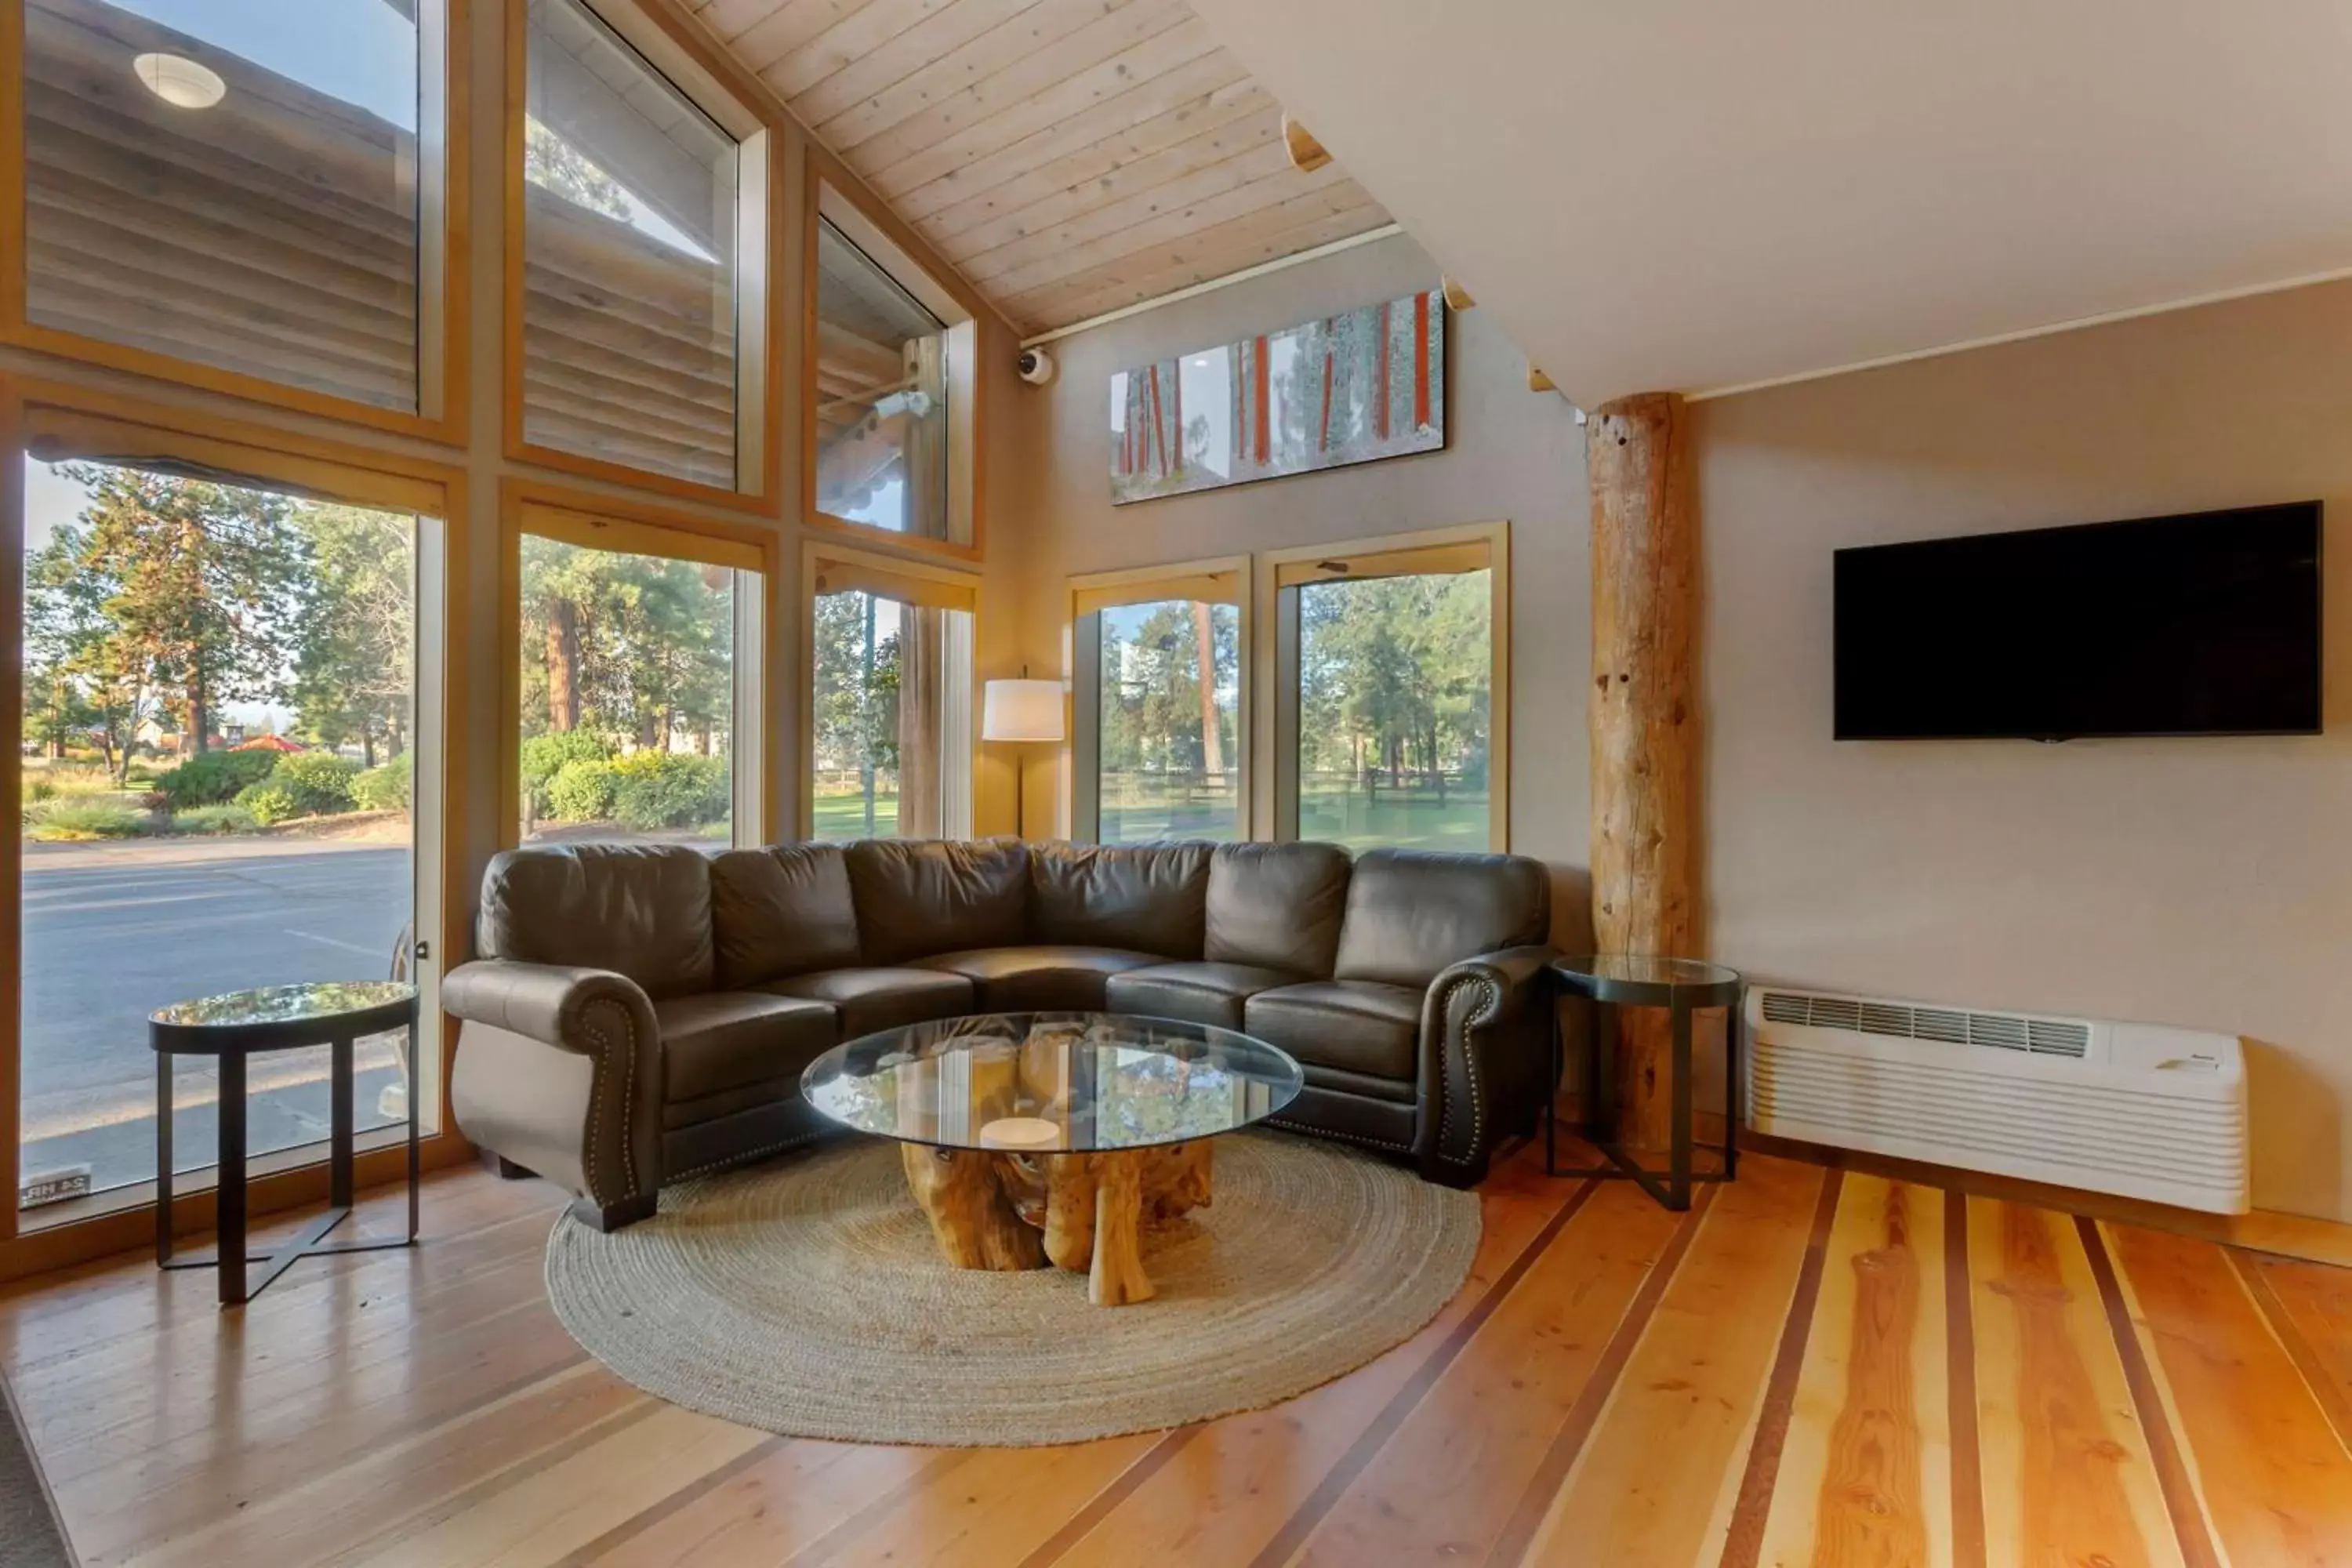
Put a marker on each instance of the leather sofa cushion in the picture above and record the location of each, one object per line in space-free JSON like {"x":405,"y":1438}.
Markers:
{"x":1150,"y":898}
{"x":916,"y":896}
{"x":869,"y":1001}
{"x":1411,"y":912}
{"x":1277,"y":906}
{"x":1352,"y":1026}
{"x":1039,"y":979}
{"x":726,"y":1039}
{"x":1198,"y":993}
{"x":784,"y":908}
{"x":641,"y":909}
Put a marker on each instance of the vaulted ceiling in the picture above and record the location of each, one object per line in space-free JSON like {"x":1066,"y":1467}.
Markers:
{"x":1068,"y":156}
{"x":1687,"y":195}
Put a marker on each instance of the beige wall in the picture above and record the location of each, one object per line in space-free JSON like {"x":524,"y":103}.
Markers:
{"x":1511,"y":453}
{"x":2198,"y":882}
{"x":2206,"y":883}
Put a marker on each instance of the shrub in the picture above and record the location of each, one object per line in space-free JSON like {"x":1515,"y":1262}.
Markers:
{"x":33,"y":790}
{"x":67,"y":821}
{"x":544,"y":757}
{"x":669,"y":789}
{"x":214,"y":819}
{"x":214,"y":778}
{"x":319,"y":782}
{"x":268,"y":803}
{"x":580,"y":791}
{"x":384,"y":787}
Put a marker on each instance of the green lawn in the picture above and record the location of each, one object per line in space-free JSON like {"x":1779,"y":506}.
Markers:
{"x":844,"y":816}
{"x":1412,"y":820}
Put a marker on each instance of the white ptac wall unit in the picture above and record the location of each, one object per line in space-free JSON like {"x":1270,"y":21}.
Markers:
{"x":2143,"y":1110}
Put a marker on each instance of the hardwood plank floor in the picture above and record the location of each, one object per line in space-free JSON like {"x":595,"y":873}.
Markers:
{"x":1814,"y":1367}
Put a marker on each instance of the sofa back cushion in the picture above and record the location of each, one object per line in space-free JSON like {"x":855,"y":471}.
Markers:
{"x":1277,"y":906}
{"x":917,"y":897}
{"x":780,"y":910}
{"x":1146,"y":898}
{"x":642,"y":909}
{"x":1411,"y":912}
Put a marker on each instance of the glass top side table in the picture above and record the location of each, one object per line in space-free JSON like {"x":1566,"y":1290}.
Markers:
{"x":1682,"y":986}
{"x":334,"y":1014}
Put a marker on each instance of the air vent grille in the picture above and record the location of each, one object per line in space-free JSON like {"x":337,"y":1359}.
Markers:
{"x":1944,"y":1025}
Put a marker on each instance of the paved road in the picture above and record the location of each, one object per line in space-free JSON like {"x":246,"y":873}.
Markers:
{"x":114,"y":932}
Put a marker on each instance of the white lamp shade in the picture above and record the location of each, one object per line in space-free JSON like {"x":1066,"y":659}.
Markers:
{"x":1021,"y":711}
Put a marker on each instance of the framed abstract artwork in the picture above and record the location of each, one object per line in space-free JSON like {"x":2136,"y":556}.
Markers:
{"x":1351,"y":388}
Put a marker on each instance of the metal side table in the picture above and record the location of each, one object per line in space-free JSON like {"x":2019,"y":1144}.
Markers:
{"x":1680,"y":986}
{"x":333,"y":1014}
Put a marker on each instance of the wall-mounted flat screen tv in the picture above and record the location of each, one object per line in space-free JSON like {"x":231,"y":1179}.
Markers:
{"x":2202,"y":624}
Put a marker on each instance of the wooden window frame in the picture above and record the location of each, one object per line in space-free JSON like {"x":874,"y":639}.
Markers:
{"x":1223,"y":579}
{"x":442,"y":311}
{"x":606,"y":522}
{"x":107,"y":427}
{"x":1469,"y":547}
{"x":716,"y":85}
{"x":832,"y":192}
{"x":910,"y":581}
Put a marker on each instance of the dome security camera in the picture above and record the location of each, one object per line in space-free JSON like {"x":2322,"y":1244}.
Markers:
{"x":1036,"y":366}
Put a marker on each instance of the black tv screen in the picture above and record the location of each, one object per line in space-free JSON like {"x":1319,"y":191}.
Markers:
{"x":2201,"y":624}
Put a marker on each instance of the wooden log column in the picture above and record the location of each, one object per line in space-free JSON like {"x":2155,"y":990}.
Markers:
{"x":1644,"y":714}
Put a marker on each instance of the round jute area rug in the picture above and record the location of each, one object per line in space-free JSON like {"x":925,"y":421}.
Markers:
{"x":807,"y":1297}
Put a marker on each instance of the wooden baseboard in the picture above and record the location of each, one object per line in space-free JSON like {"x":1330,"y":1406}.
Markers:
{"x":2263,"y":1230}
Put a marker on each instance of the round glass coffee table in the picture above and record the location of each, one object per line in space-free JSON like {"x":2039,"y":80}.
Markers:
{"x":1031,"y":1138}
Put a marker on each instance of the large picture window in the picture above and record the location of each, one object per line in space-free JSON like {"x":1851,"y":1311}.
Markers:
{"x":638,"y":661}
{"x":642,"y":243}
{"x":1161,"y":728}
{"x":890,"y":700}
{"x":241,"y":186}
{"x":1392,"y":672}
{"x":228,"y":754}
{"x":889,"y":385}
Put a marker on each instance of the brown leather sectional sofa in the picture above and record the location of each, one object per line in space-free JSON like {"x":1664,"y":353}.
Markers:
{"x":641,"y":1014}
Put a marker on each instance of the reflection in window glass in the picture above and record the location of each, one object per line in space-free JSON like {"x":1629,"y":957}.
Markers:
{"x":881,"y":405}
{"x":229,"y":182}
{"x":887,"y":763}
{"x":629,"y":695}
{"x":1169,"y":740}
{"x":1394,"y":680}
{"x":218,"y":743}
{"x":629,"y":250}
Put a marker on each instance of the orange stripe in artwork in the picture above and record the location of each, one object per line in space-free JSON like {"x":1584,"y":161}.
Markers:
{"x":1258,"y":363}
{"x":1159,"y":443}
{"x":1381,"y":400}
{"x":1323,"y":434}
{"x":1420,"y":362}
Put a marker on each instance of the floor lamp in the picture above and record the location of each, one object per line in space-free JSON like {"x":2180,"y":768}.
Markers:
{"x":1020,"y":712}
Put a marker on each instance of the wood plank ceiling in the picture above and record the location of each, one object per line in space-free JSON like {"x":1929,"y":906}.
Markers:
{"x":1068,"y":156}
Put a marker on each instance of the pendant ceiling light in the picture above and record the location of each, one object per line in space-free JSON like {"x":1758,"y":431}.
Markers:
{"x":180,"y":81}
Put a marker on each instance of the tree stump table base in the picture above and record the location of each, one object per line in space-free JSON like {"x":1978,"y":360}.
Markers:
{"x":1085,"y":1213}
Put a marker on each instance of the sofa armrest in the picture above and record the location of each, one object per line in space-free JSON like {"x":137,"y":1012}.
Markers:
{"x":558,"y":1070}
{"x":1485,"y":1051}
{"x":549,"y":1003}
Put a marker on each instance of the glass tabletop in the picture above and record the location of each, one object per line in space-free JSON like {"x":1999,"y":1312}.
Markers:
{"x":283,"y":1003}
{"x":1051,"y":1082}
{"x":1644,"y":970}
